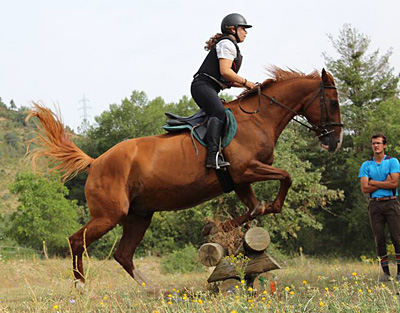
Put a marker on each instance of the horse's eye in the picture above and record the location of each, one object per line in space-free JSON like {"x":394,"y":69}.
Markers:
{"x":334,"y":103}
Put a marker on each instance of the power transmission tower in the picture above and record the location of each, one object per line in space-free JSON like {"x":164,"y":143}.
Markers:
{"x":85,"y":122}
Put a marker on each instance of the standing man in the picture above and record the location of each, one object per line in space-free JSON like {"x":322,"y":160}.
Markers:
{"x":380,"y":177}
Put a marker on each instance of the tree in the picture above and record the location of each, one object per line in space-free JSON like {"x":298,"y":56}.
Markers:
{"x":43,"y":213}
{"x":364,"y":80}
{"x":134,"y":117}
{"x":2,"y":104}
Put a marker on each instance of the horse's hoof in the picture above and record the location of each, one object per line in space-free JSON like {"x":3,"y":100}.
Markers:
{"x":263,"y":209}
{"x":210,"y":229}
{"x":80,"y":286}
{"x":259,"y":210}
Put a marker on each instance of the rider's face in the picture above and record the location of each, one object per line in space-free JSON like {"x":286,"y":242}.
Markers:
{"x":242,"y":33}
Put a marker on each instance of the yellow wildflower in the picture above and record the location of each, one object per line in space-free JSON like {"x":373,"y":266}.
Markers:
{"x":101,"y":303}
{"x":250,"y":289}
{"x":143,"y":284}
{"x":354,"y":274}
{"x":105,"y":298}
{"x":234,"y":311}
{"x":287,"y":288}
{"x":200,"y":301}
{"x":169,"y":302}
{"x":56,"y":307}
{"x":321,"y":304}
{"x":292,"y":293}
{"x":304,"y":282}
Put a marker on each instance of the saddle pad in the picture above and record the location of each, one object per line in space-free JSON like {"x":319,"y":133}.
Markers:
{"x":228,"y":137}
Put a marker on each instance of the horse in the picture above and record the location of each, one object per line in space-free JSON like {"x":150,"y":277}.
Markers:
{"x":140,"y":176}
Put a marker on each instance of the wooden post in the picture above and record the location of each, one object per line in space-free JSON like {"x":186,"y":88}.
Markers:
{"x":210,"y":254}
{"x":258,"y":263}
{"x":256,"y":239}
{"x":229,"y":285}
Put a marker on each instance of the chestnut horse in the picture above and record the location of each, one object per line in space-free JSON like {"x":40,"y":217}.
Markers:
{"x":138,"y":177}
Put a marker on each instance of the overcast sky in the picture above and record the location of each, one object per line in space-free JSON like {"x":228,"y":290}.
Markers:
{"x":57,"y":51}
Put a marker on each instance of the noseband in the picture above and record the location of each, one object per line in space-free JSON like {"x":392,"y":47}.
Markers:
{"x":325,"y":119}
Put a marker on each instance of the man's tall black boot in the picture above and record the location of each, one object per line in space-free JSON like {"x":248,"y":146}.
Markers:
{"x":214,"y":159}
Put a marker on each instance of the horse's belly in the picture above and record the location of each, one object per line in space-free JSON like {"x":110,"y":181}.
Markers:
{"x":174,"y":197}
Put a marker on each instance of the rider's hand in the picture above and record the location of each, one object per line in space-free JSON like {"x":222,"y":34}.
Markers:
{"x":249,"y":85}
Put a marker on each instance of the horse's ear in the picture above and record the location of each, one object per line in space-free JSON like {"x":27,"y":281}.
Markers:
{"x":327,"y":78}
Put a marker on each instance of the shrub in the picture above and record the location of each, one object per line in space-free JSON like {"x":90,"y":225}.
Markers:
{"x":185,"y":260}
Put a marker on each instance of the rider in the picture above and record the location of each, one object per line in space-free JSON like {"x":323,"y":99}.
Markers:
{"x":219,"y":71}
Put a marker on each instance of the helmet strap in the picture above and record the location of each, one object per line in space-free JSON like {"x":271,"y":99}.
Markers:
{"x":236,"y":34}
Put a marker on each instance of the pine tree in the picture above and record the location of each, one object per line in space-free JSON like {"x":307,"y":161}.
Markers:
{"x":364,"y":79}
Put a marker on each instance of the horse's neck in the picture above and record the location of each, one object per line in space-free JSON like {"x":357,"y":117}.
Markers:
{"x":274,"y":117}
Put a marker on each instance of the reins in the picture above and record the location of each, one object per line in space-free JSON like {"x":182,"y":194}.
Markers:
{"x":313,"y":127}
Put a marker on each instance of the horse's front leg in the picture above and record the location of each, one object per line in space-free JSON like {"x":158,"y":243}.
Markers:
{"x":258,"y":171}
{"x":246,"y":195}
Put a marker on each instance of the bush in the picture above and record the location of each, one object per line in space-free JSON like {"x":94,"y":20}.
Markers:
{"x":12,"y":139}
{"x":185,"y":260}
{"x":43,"y":213}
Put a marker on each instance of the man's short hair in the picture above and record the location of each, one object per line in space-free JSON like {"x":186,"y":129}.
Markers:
{"x":380,"y":136}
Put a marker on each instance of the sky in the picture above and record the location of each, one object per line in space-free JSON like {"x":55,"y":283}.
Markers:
{"x":62,"y":51}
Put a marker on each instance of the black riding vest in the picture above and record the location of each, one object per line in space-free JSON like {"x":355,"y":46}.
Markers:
{"x":210,"y":65}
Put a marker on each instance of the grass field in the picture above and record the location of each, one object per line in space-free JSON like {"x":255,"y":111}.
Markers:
{"x":302,"y":285}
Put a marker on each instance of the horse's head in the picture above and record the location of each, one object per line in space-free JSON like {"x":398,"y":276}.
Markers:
{"x":323,"y":112}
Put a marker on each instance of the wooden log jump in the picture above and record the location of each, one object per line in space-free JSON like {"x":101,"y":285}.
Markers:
{"x":255,"y":242}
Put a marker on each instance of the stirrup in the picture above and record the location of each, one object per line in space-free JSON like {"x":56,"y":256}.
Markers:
{"x":223,"y":162}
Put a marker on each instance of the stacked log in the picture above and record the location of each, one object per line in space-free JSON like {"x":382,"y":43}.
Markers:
{"x":255,"y":242}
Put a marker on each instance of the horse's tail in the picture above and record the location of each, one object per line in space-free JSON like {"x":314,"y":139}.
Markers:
{"x":56,"y":145}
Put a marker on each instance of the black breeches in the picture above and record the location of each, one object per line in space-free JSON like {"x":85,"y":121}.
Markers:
{"x":206,"y":97}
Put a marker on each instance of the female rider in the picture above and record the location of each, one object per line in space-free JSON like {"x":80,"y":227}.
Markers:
{"x":219,"y":71}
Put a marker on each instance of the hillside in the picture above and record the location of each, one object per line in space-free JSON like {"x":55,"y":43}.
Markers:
{"x":14,"y":136}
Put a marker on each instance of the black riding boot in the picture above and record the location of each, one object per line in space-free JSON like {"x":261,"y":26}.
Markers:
{"x":214,"y":127}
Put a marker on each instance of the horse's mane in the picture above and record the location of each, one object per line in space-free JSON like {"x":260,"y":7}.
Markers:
{"x":279,"y":75}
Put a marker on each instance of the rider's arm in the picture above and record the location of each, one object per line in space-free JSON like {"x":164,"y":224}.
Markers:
{"x":391,"y":182}
{"x":225,"y":67}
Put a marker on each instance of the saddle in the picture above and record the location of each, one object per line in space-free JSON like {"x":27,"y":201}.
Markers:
{"x":197,"y":124}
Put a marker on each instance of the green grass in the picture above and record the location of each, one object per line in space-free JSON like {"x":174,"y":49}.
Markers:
{"x":302,"y":285}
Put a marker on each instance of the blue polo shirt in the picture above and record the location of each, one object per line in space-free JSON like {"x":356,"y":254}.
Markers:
{"x":379,"y":172}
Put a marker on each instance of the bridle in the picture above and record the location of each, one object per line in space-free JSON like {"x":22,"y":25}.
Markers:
{"x":325,"y":119}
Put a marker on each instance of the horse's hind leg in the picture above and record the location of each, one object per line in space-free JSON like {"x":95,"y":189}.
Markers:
{"x":89,"y":233}
{"x":134,"y":228}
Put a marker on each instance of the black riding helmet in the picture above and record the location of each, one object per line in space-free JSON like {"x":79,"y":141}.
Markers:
{"x":234,"y":20}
